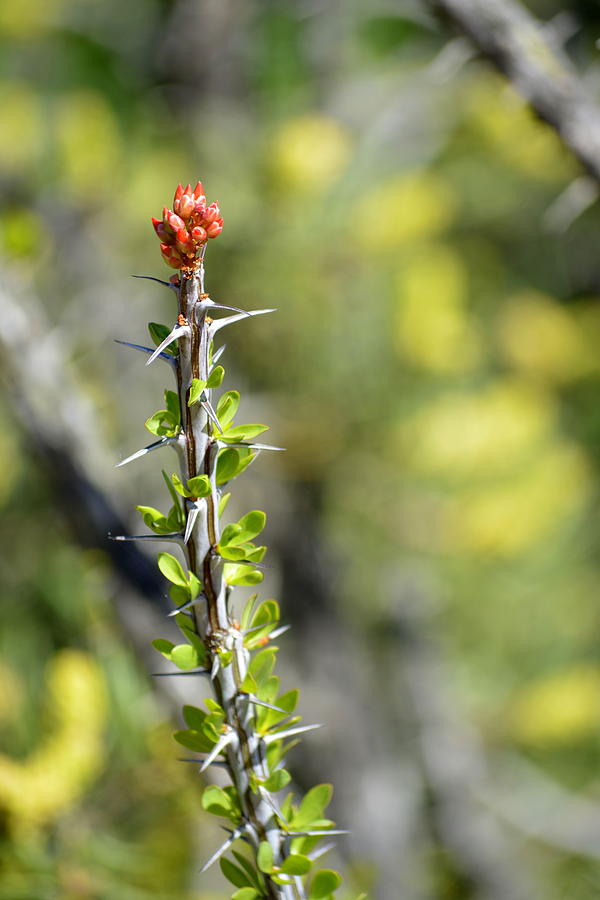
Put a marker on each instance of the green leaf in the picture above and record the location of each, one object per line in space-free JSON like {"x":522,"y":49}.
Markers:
{"x":313,"y":806}
{"x":278,"y":780}
{"x":171,"y":489}
{"x":248,"y":612}
{"x":255,"y":554}
{"x":162,"y":424}
{"x":323,"y":884}
{"x":227,"y":407}
{"x":195,"y":585}
{"x":264,"y":857}
{"x":223,"y":503}
{"x":256,"y":638}
{"x":171,"y":569}
{"x":185,"y":656}
{"x":295,"y":864}
{"x":179,"y":594}
{"x":196,"y":391}
{"x":262,"y":665}
{"x":243,"y":432}
{"x":229,"y":534}
{"x":163,"y":646}
{"x":175,"y":519}
{"x":172,"y":404}
{"x":246,"y":893}
{"x":215,"y":379}
{"x":242,"y":575}
{"x":179,"y":485}
{"x":194,"y":740}
{"x":199,"y":486}
{"x":154,"y":519}
{"x":231,"y":462}
{"x":216,"y":801}
{"x":233,"y":874}
{"x":158,"y":333}
{"x":234,"y":553}
{"x":251,"y":524}
{"x":249,"y":869}
{"x":194,"y":717}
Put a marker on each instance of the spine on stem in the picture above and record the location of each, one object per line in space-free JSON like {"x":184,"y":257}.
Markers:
{"x":249,"y":725}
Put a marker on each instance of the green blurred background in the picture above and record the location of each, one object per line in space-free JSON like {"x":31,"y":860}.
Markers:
{"x":433,"y":370}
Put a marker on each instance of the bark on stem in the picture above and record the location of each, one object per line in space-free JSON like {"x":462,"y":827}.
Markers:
{"x":213,"y":623}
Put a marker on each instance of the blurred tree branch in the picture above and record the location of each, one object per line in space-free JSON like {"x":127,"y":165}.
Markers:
{"x":531,"y":58}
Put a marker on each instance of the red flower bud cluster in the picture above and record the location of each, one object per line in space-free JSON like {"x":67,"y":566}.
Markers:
{"x":185,"y":229}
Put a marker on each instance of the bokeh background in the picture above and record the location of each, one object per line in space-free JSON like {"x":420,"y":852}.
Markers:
{"x":433,"y":369}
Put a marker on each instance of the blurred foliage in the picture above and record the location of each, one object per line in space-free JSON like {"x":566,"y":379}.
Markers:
{"x":434,"y":331}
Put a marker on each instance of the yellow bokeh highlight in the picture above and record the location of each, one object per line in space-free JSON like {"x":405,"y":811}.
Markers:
{"x":36,"y":790}
{"x":559,"y":709}
{"x":513,"y":515}
{"x":27,"y":18}
{"x":89,"y":144}
{"x":432,"y":326}
{"x":23,"y":233}
{"x":309,"y":153}
{"x":407,"y":208}
{"x":525,"y":143}
{"x":542,"y":338}
{"x":22,"y":127}
{"x":480,"y":434}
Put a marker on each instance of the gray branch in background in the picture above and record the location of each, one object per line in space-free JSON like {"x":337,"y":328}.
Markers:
{"x":531,"y":58}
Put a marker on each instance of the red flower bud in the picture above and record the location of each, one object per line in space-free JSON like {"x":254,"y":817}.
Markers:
{"x":199,"y":234}
{"x":211,"y":213}
{"x":171,"y":256}
{"x":200,"y":207}
{"x":173,"y":221}
{"x":186,"y":206}
{"x":185,"y":229}
{"x":177,"y":198}
{"x":163,"y":235}
{"x":214,"y":229}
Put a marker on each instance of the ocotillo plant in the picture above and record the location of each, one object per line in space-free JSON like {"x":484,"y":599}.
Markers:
{"x":248,"y":725}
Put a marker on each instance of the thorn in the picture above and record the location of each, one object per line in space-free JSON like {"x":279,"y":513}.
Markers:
{"x":321,"y":851}
{"x":229,"y":320}
{"x":166,"y":356}
{"x":257,"y":627}
{"x":246,"y":562}
{"x":211,"y":413}
{"x":248,"y":445}
{"x":191,"y":521}
{"x":215,"y":762}
{"x":151,"y":278}
{"x":218,"y":354}
{"x":267,"y":797}
{"x":163,"y":442}
{"x":215,"y":667}
{"x":237,"y":309}
{"x":223,"y":848}
{"x":186,"y":605}
{"x":221,"y":744}
{"x":176,"y":332}
{"x":171,"y":537}
{"x":279,"y":631}
{"x":252,"y":699}
{"x":178,"y":674}
{"x":281,"y":735}
{"x":323,"y":831}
